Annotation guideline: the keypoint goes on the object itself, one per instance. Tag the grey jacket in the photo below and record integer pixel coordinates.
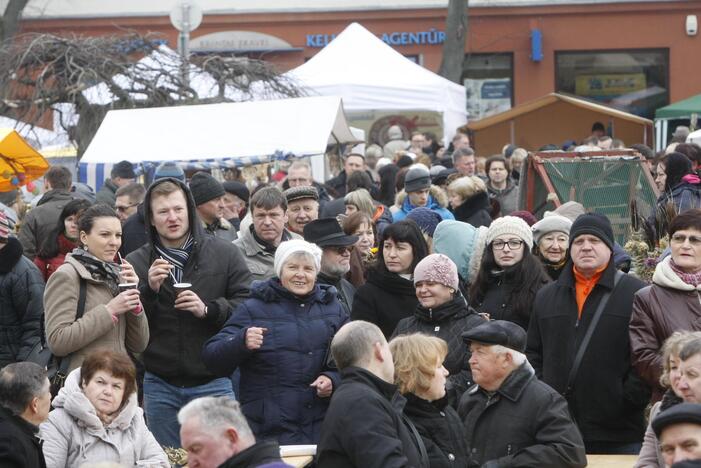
(259, 262)
(107, 193)
(507, 198)
(74, 435)
(40, 221)
(222, 229)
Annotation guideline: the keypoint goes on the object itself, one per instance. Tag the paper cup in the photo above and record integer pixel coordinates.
(127, 286)
(180, 287)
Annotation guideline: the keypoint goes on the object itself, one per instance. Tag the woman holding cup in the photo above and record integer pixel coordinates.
(112, 316)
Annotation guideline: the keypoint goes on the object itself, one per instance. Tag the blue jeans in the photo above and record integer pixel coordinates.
(162, 401)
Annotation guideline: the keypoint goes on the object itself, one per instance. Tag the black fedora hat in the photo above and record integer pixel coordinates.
(326, 232)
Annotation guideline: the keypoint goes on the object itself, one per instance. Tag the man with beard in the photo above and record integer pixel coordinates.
(336, 249)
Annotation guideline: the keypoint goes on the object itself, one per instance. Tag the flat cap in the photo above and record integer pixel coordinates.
(498, 332)
(301, 192)
(677, 414)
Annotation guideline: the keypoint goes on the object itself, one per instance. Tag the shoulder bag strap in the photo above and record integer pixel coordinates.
(419, 441)
(66, 360)
(590, 331)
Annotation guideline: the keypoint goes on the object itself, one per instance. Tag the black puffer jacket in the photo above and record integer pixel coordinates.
(218, 274)
(384, 300)
(441, 430)
(448, 322)
(21, 304)
(475, 210)
(524, 423)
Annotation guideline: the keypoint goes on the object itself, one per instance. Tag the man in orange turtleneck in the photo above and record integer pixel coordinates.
(605, 396)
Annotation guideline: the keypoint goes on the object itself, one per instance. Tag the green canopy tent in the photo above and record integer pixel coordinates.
(688, 108)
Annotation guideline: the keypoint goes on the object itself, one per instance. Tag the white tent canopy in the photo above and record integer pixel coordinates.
(369, 74)
(245, 132)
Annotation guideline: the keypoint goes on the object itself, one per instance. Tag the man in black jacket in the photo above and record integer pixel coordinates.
(605, 396)
(215, 433)
(336, 249)
(25, 401)
(511, 418)
(364, 427)
(181, 322)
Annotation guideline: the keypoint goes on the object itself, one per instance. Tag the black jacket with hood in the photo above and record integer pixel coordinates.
(218, 275)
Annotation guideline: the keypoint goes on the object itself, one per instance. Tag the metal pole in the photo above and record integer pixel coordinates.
(184, 42)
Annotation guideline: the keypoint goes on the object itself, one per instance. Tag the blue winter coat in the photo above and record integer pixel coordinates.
(437, 202)
(274, 392)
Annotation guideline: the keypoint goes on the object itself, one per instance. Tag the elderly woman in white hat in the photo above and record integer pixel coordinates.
(552, 236)
(279, 339)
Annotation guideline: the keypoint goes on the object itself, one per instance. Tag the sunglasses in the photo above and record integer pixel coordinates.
(342, 250)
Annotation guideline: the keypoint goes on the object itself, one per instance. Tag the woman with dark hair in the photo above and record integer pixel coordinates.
(500, 185)
(682, 190)
(671, 302)
(88, 284)
(509, 276)
(389, 295)
(97, 418)
(62, 240)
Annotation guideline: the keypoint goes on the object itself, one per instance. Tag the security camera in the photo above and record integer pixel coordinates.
(692, 25)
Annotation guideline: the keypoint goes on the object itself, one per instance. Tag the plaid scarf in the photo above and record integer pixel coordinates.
(693, 279)
(104, 272)
(176, 256)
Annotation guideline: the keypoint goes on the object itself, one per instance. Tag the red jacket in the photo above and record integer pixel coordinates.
(47, 266)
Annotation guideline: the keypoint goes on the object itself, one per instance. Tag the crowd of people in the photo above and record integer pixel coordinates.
(405, 313)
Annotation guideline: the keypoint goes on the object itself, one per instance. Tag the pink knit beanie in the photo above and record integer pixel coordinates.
(439, 269)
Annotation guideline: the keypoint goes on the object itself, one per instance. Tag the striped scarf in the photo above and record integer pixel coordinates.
(177, 256)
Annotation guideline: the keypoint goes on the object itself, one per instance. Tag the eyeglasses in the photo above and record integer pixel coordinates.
(342, 250)
(512, 243)
(680, 239)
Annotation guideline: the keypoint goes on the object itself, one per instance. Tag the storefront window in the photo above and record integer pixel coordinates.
(635, 81)
(488, 80)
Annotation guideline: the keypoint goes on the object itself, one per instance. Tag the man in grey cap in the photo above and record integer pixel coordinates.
(419, 192)
(208, 193)
(679, 431)
(302, 207)
(510, 417)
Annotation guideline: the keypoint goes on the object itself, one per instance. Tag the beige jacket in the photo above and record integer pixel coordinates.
(96, 329)
(74, 435)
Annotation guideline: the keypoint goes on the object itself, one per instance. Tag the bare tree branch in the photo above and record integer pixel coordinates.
(39, 71)
(11, 17)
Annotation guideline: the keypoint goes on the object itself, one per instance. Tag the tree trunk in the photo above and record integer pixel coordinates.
(11, 17)
(454, 45)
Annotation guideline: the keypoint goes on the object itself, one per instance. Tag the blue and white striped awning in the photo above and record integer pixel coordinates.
(95, 174)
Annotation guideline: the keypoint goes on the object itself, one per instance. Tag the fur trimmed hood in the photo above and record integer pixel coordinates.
(438, 194)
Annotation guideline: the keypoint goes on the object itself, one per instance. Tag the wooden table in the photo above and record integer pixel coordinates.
(298, 462)
(611, 461)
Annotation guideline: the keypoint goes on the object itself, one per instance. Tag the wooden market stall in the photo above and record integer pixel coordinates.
(554, 119)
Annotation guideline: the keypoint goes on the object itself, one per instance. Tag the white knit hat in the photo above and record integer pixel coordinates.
(291, 247)
(551, 223)
(510, 225)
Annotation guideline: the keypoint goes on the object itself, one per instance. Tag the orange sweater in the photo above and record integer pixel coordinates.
(584, 286)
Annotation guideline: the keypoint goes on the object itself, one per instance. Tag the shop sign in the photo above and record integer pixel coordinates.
(400, 38)
(609, 84)
(232, 41)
